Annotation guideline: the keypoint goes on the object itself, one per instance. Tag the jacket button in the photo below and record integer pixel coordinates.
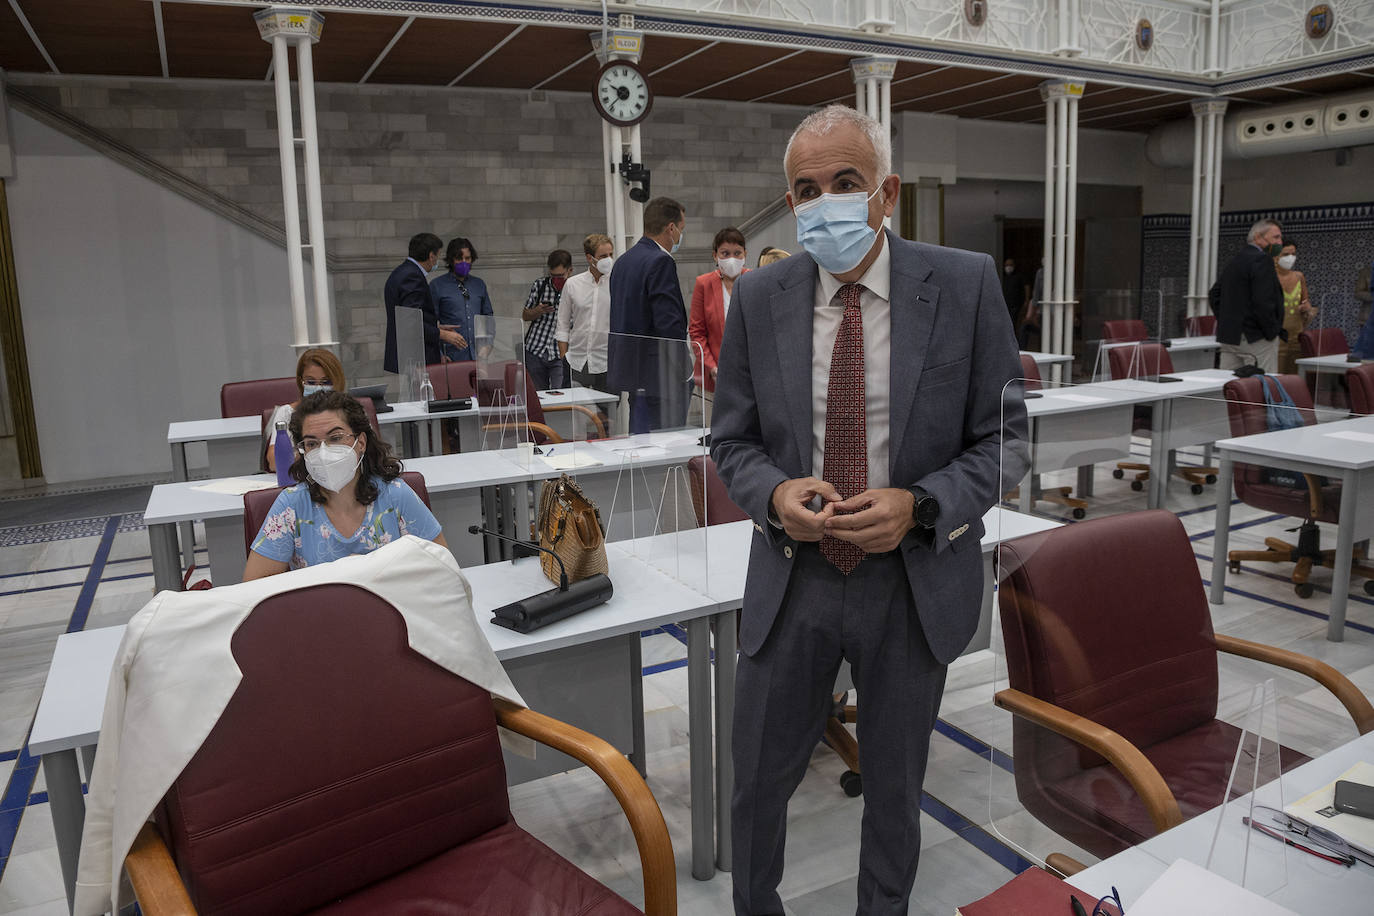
(787, 552)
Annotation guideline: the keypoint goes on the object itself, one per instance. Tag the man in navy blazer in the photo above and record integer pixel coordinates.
(408, 287)
(1248, 302)
(918, 432)
(646, 302)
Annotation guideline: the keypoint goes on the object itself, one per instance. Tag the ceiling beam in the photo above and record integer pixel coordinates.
(797, 86)
(906, 79)
(549, 79)
(161, 37)
(1127, 114)
(688, 56)
(731, 79)
(483, 59)
(936, 95)
(989, 99)
(33, 36)
(387, 50)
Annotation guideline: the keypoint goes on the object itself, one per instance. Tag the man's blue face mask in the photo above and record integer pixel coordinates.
(834, 229)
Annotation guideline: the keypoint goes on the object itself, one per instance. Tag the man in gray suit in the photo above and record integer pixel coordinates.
(858, 420)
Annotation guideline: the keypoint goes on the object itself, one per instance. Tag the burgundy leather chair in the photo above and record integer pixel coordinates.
(351, 775)
(710, 501)
(1325, 342)
(248, 399)
(540, 432)
(257, 503)
(1360, 380)
(1031, 379)
(368, 408)
(453, 380)
(1030, 372)
(1201, 325)
(1141, 361)
(1319, 502)
(1124, 330)
(1112, 667)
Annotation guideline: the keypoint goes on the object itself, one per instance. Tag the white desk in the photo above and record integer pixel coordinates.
(1047, 361)
(1329, 371)
(1344, 450)
(1185, 353)
(1313, 886)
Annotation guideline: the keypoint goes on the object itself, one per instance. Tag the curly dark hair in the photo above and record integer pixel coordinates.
(378, 459)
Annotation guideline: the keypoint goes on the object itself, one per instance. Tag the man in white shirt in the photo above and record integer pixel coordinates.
(584, 317)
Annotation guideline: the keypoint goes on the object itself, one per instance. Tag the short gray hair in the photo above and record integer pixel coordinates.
(1260, 227)
(825, 120)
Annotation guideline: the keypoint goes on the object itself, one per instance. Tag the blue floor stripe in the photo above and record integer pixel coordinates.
(1322, 589)
(975, 835)
(1238, 526)
(665, 666)
(15, 800)
(93, 576)
(7, 756)
(964, 739)
(1362, 627)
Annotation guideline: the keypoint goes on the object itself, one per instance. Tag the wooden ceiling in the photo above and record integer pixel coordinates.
(119, 38)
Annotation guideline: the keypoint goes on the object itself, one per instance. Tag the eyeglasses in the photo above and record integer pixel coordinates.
(335, 438)
(1100, 908)
(1273, 822)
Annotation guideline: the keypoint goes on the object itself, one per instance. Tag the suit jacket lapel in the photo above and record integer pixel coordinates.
(792, 308)
(913, 317)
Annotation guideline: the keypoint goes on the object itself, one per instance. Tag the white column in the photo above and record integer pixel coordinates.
(1208, 123)
(1214, 228)
(873, 92)
(314, 207)
(636, 227)
(1061, 210)
(1070, 224)
(286, 147)
(610, 156)
(1195, 306)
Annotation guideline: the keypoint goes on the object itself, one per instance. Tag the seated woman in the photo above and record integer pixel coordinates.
(350, 499)
(316, 370)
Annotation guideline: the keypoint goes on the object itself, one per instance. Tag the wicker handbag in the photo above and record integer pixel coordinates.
(570, 526)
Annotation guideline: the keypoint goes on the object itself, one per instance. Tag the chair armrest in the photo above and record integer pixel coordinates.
(620, 776)
(1315, 504)
(1065, 865)
(530, 425)
(154, 876)
(1354, 701)
(591, 415)
(1120, 753)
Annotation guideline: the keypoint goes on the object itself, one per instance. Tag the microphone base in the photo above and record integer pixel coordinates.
(544, 608)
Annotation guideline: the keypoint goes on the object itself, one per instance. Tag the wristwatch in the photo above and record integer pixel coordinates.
(925, 510)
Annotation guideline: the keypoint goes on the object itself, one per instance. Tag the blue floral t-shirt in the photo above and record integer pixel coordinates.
(298, 531)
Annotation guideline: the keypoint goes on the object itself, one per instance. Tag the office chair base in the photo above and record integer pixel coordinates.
(1306, 554)
(1057, 495)
(838, 738)
(1196, 476)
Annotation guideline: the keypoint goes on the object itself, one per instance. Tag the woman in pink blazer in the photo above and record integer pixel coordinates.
(711, 300)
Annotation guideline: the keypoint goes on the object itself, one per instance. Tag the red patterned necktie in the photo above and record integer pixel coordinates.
(845, 464)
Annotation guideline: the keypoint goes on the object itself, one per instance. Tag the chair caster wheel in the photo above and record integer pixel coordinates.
(852, 783)
(1080, 513)
(1196, 489)
(1137, 485)
(1234, 566)
(1304, 590)
(1211, 478)
(1118, 473)
(1369, 587)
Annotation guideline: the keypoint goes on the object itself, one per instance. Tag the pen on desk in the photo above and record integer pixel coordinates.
(548, 451)
(1077, 907)
(1335, 857)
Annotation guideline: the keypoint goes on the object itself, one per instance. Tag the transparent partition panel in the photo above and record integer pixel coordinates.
(1320, 350)
(410, 353)
(501, 389)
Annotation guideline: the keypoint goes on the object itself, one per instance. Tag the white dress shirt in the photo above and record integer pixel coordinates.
(876, 308)
(584, 321)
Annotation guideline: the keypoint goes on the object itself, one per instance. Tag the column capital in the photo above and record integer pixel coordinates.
(873, 68)
(1203, 107)
(623, 44)
(1056, 89)
(293, 22)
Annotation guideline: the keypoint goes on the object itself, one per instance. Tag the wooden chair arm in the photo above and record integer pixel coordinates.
(531, 425)
(1315, 504)
(591, 415)
(154, 876)
(1065, 865)
(1351, 697)
(1120, 753)
(638, 803)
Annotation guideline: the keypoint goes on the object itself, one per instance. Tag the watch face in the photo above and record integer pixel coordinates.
(622, 93)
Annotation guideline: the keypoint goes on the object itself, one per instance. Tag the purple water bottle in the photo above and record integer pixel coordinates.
(283, 454)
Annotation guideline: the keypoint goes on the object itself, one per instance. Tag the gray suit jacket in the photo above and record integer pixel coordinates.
(953, 354)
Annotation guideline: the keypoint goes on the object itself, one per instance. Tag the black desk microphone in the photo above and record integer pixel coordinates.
(538, 610)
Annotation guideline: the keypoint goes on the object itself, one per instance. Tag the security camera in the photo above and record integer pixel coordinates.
(635, 173)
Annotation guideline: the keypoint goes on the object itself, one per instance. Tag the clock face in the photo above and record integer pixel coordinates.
(622, 93)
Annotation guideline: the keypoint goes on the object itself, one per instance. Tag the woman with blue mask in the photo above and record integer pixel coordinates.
(317, 370)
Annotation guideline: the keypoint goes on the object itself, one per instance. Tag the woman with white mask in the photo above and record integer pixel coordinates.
(710, 304)
(350, 497)
(1297, 305)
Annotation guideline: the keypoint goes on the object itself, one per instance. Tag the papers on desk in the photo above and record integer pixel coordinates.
(1351, 435)
(1077, 398)
(1190, 888)
(1315, 808)
(639, 451)
(237, 486)
(570, 460)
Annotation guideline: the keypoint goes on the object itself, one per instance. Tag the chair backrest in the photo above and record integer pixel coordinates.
(1322, 342)
(368, 408)
(709, 498)
(257, 503)
(438, 377)
(453, 380)
(324, 773)
(248, 399)
(1124, 330)
(1139, 361)
(1030, 371)
(1360, 380)
(1108, 619)
(1245, 409)
(1201, 325)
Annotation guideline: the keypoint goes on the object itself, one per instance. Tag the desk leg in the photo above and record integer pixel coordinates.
(1161, 416)
(699, 746)
(724, 626)
(639, 752)
(1222, 537)
(1085, 481)
(1345, 546)
(68, 809)
(187, 529)
(162, 539)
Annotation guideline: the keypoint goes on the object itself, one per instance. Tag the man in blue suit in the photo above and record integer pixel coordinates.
(860, 411)
(408, 287)
(646, 302)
